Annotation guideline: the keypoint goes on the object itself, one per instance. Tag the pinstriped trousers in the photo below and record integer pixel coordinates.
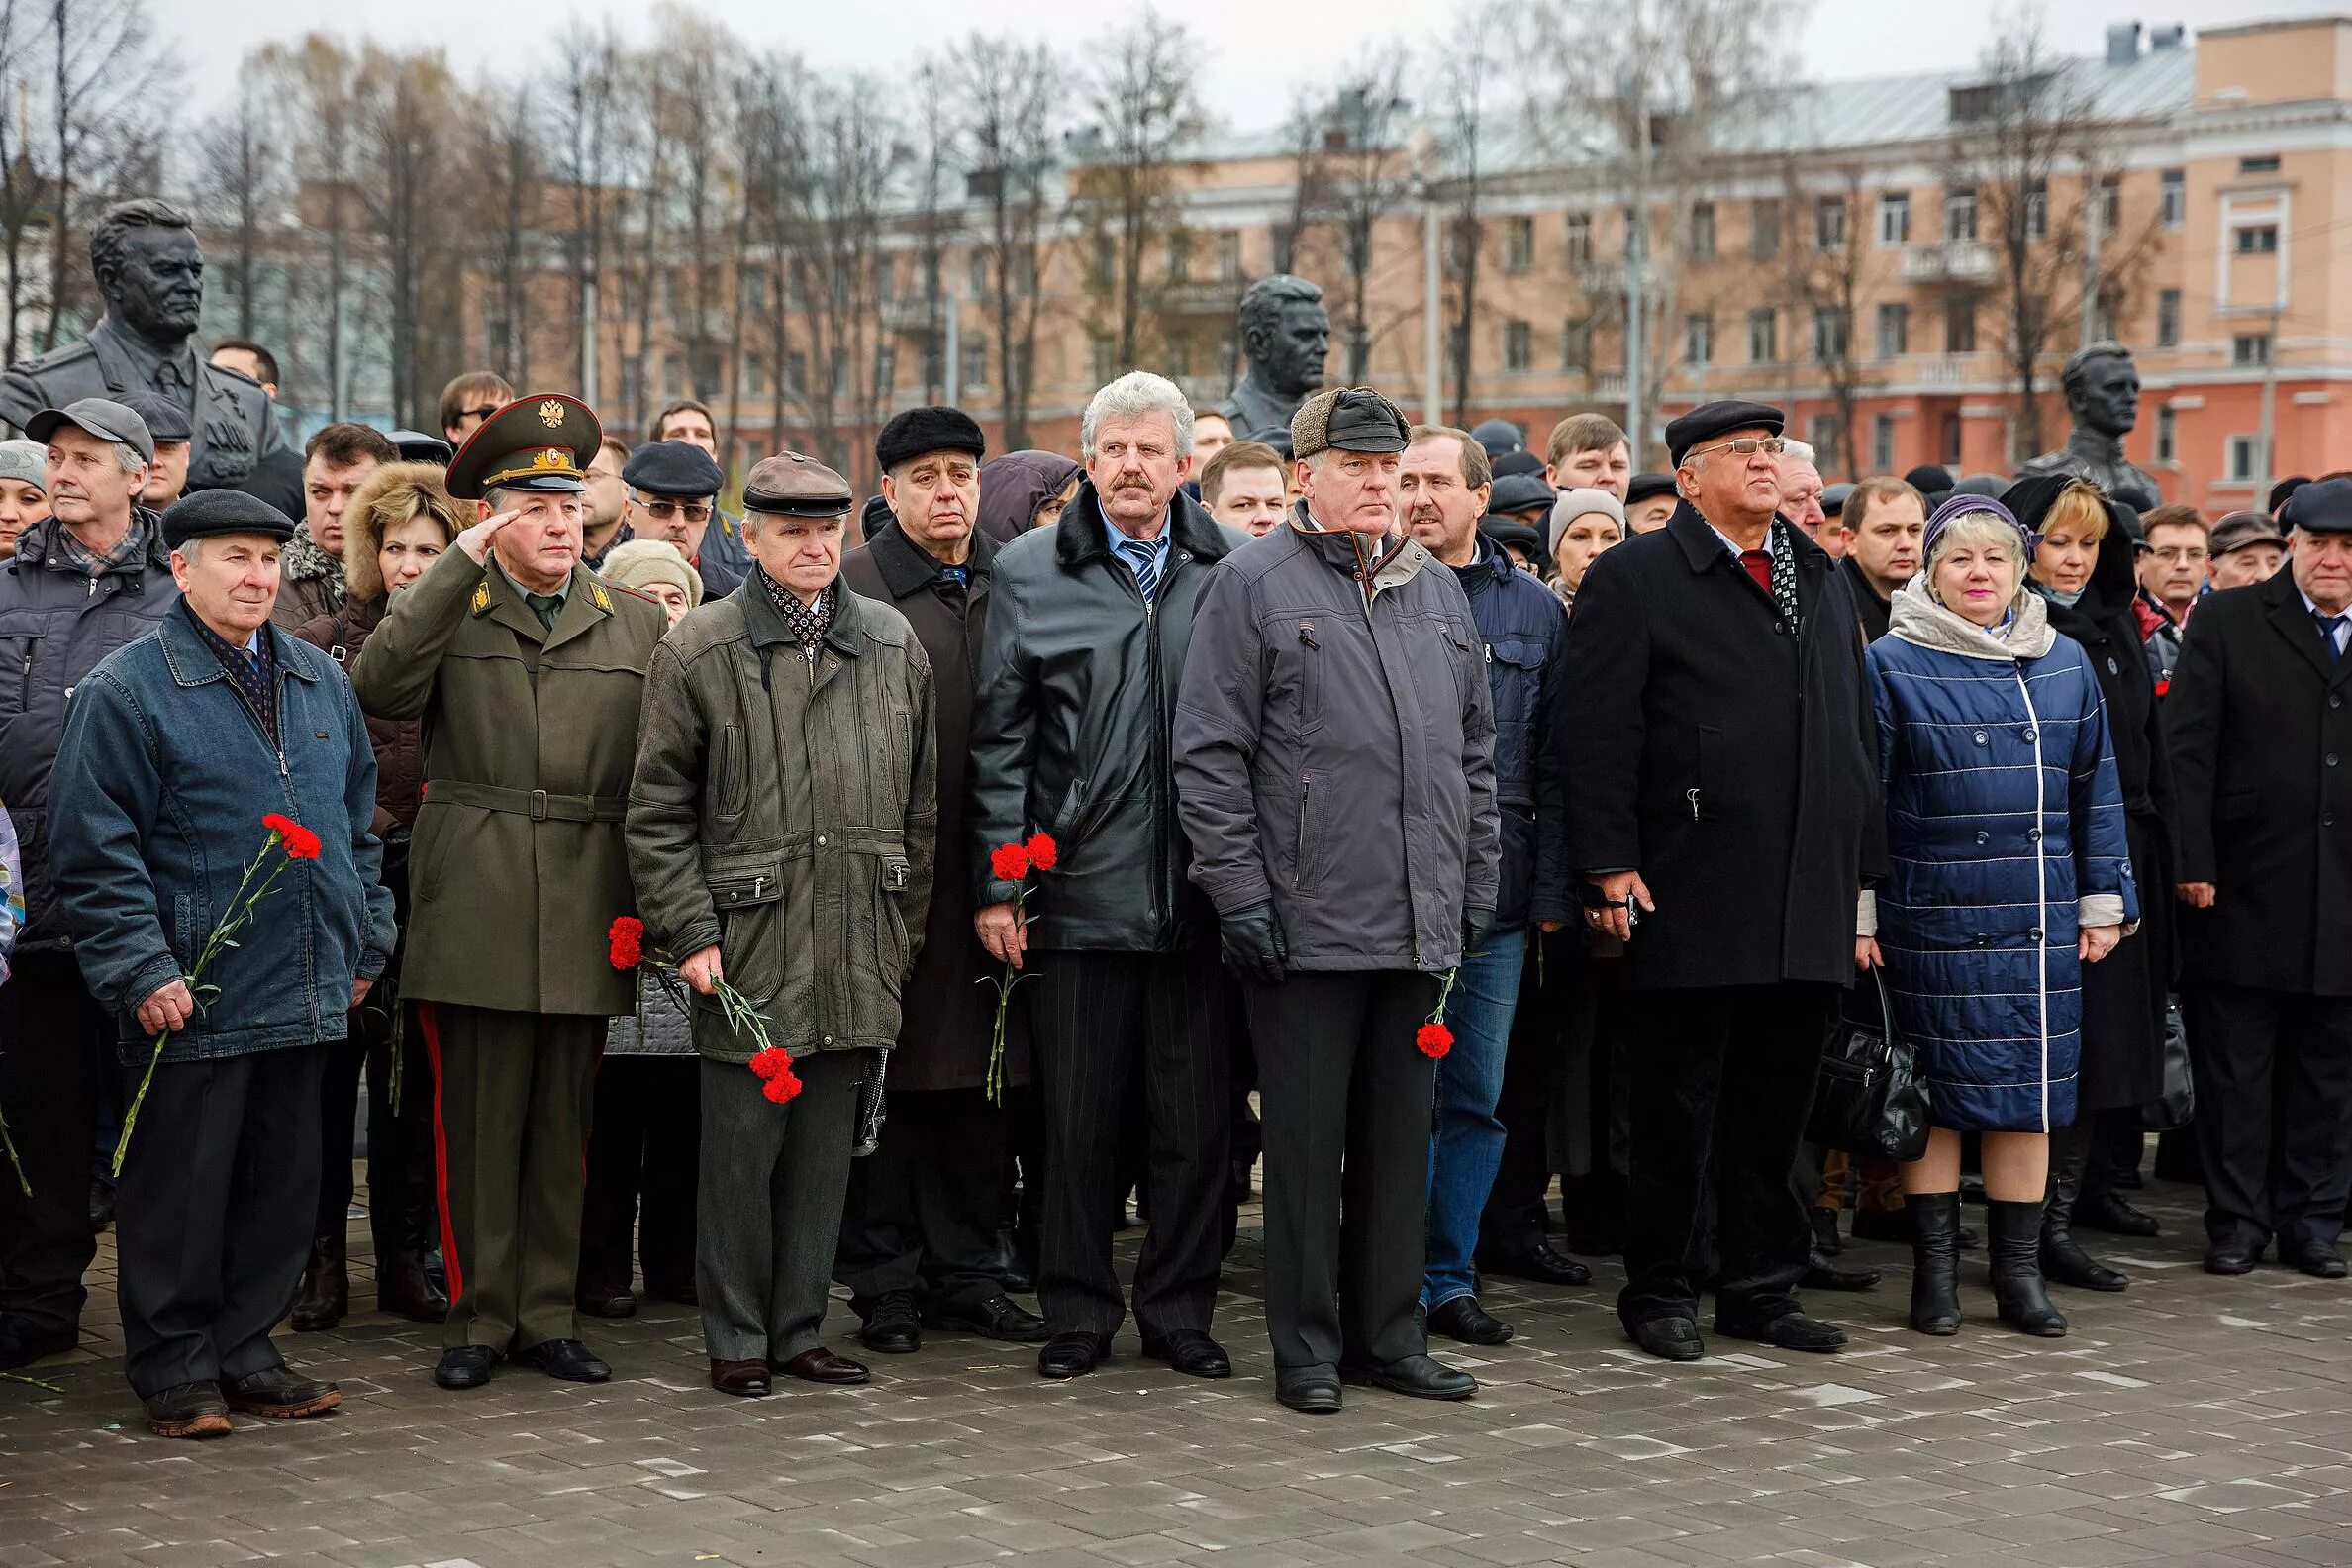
(1099, 1022)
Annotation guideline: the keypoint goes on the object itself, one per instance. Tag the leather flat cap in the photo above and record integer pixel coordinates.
(103, 418)
(791, 484)
(167, 417)
(2321, 507)
(207, 513)
(2239, 530)
(673, 469)
(1711, 421)
(1348, 419)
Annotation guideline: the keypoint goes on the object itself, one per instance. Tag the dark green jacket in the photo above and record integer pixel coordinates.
(516, 865)
(783, 808)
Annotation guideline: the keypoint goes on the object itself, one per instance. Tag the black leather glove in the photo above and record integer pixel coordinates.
(1476, 925)
(1252, 943)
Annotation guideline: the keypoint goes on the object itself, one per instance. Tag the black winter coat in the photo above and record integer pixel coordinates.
(1525, 634)
(1070, 718)
(53, 630)
(947, 1015)
(1873, 611)
(2260, 723)
(1734, 768)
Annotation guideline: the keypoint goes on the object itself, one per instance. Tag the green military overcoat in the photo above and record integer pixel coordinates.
(517, 867)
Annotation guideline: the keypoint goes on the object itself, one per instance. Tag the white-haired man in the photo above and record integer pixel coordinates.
(1070, 719)
(1801, 488)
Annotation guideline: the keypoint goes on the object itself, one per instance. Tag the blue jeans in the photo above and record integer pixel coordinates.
(1468, 1144)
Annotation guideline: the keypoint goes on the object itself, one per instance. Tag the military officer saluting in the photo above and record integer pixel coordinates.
(526, 670)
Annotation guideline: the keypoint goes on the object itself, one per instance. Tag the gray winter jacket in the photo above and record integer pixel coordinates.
(1336, 755)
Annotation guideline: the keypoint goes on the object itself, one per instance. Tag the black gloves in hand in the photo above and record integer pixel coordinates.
(1476, 925)
(1252, 943)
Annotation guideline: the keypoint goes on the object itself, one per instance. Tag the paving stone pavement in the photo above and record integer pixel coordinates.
(2193, 1420)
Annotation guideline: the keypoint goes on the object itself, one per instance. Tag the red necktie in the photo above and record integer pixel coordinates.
(1759, 566)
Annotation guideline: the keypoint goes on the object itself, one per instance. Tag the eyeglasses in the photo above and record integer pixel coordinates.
(482, 413)
(2181, 552)
(662, 511)
(1743, 447)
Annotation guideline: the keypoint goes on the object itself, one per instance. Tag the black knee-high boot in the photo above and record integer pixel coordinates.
(1935, 1261)
(2062, 1256)
(2016, 1269)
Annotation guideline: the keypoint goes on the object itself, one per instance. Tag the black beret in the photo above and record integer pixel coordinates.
(2321, 507)
(167, 417)
(672, 468)
(1507, 531)
(1517, 492)
(1645, 485)
(206, 513)
(912, 432)
(1930, 480)
(1710, 419)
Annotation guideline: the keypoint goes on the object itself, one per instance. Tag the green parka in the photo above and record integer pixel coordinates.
(783, 808)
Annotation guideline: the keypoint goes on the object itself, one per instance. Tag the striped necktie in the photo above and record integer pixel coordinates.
(1143, 559)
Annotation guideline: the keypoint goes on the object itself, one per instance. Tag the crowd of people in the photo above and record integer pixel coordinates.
(720, 906)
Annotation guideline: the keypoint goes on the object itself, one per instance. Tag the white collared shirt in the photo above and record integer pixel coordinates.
(2341, 632)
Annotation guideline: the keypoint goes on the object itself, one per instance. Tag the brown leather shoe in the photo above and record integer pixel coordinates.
(746, 1378)
(281, 1393)
(822, 1366)
(190, 1410)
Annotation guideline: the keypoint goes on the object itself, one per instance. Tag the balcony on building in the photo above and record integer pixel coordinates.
(1968, 264)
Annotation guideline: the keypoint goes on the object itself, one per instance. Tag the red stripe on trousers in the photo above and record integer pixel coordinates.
(431, 1026)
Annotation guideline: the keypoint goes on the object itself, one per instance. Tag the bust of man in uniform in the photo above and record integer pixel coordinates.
(2102, 390)
(150, 273)
(1285, 335)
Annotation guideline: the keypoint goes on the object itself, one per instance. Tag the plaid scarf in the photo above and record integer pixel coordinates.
(128, 552)
(808, 622)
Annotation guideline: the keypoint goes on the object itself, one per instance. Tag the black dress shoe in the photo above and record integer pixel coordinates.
(1791, 1331)
(607, 1301)
(1824, 1228)
(190, 1410)
(1191, 1353)
(892, 1327)
(1312, 1391)
(2231, 1259)
(280, 1394)
(747, 1379)
(1535, 1261)
(1464, 1320)
(465, 1368)
(821, 1366)
(2317, 1259)
(2105, 1211)
(998, 1318)
(1669, 1338)
(1414, 1376)
(1069, 1355)
(568, 1359)
(1822, 1274)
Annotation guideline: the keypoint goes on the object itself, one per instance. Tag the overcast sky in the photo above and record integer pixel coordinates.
(1252, 46)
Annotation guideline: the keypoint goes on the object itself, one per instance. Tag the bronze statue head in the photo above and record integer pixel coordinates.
(1285, 335)
(2103, 388)
(149, 270)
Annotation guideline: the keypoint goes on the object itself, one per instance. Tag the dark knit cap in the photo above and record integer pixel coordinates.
(916, 431)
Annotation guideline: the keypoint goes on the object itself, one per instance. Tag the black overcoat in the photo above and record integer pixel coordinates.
(1733, 766)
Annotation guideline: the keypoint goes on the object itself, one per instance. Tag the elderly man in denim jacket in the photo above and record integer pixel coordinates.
(175, 746)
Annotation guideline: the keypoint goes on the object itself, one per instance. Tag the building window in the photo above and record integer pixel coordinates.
(1179, 357)
(1881, 444)
(1829, 223)
(1228, 257)
(755, 290)
(755, 377)
(2168, 319)
(673, 374)
(2247, 461)
(1102, 356)
(1518, 345)
(2250, 349)
(885, 276)
(2259, 166)
(1763, 336)
(1960, 213)
(1764, 228)
(2167, 434)
(978, 263)
(1519, 245)
(1894, 331)
(2111, 204)
(1703, 232)
(1180, 255)
(1894, 219)
(1821, 435)
(2255, 240)
(1576, 344)
(796, 370)
(2038, 210)
(1580, 239)
(1948, 439)
(2173, 198)
(973, 373)
(1105, 258)
(1830, 330)
(1698, 339)
(1960, 327)
(885, 368)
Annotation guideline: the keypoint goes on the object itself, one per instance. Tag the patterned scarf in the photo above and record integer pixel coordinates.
(128, 552)
(1784, 575)
(253, 675)
(808, 622)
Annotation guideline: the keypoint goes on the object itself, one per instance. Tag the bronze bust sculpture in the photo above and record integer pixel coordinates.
(1285, 335)
(2102, 390)
(150, 270)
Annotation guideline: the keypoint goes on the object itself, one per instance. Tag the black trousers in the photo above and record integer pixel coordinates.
(401, 1216)
(1098, 1023)
(1720, 1092)
(923, 1207)
(2274, 1112)
(644, 1143)
(52, 1044)
(217, 1193)
(1347, 1104)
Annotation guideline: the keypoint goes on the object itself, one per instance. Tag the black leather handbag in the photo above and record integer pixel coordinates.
(1869, 1100)
(2174, 1105)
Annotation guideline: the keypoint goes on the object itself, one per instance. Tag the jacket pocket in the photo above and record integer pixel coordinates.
(748, 892)
(1307, 871)
(890, 930)
(1309, 676)
(729, 795)
(1065, 816)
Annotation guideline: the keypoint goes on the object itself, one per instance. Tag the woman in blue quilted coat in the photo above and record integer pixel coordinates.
(2009, 872)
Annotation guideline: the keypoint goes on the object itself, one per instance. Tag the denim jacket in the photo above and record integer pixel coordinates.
(164, 777)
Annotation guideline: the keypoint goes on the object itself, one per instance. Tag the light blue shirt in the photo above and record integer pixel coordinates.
(2341, 632)
(1114, 537)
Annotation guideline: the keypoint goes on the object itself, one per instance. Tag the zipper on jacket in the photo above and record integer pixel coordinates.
(2041, 893)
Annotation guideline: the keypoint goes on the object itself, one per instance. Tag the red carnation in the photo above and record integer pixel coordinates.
(628, 937)
(299, 841)
(1043, 851)
(1433, 1040)
(782, 1087)
(1009, 862)
(771, 1063)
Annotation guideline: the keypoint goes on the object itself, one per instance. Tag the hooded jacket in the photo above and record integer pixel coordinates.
(1013, 486)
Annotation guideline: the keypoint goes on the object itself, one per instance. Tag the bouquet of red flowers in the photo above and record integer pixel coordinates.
(1012, 862)
(299, 844)
(627, 942)
(1433, 1039)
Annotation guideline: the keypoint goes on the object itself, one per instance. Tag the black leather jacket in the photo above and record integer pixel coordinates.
(1070, 718)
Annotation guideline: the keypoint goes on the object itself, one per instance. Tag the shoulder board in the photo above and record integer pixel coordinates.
(598, 587)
